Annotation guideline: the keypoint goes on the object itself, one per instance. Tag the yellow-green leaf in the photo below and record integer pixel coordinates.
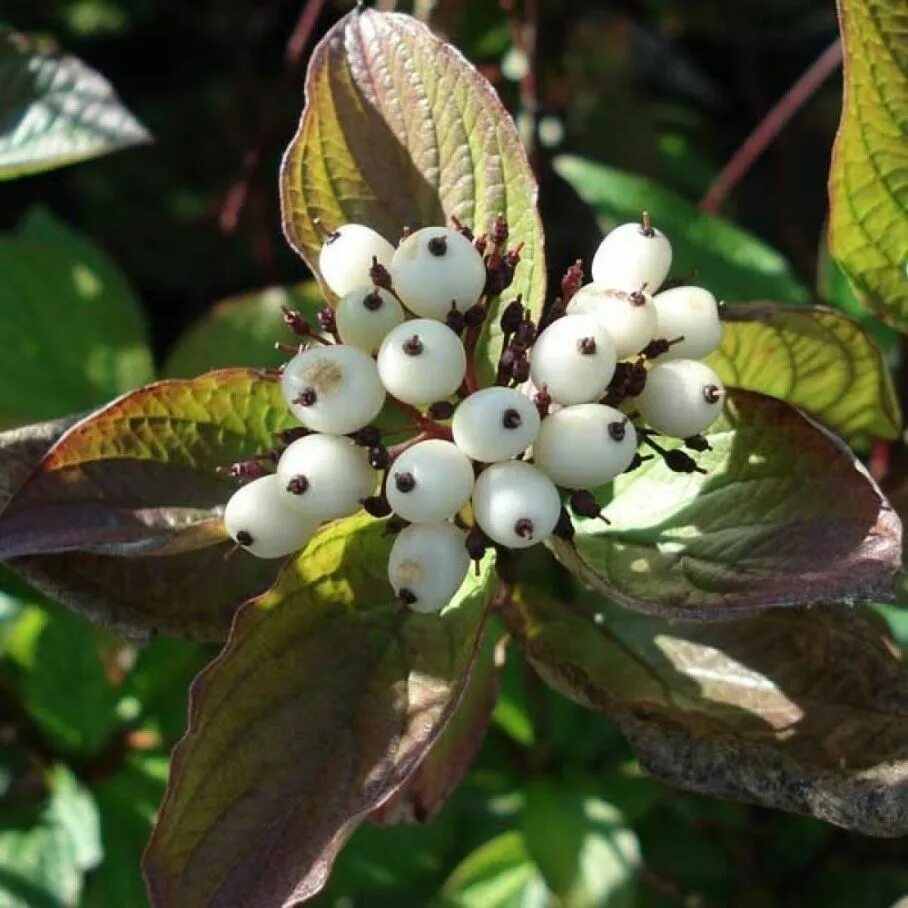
(868, 181)
(816, 358)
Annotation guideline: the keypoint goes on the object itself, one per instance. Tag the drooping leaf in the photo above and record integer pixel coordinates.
(241, 331)
(582, 845)
(44, 853)
(804, 710)
(815, 358)
(707, 250)
(452, 755)
(399, 130)
(324, 702)
(55, 110)
(139, 478)
(498, 874)
(868, 191)
(784, 515)
(70, 326)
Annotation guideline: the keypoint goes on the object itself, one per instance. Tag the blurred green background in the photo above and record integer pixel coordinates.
(664, 89)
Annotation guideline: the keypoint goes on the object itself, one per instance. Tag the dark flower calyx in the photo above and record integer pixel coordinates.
(404, 482)
(587, 345)
(438, 245)
(413, 346)
(524, 528)
(373, 301)
(298, 485)
(306, 398)
(511, 419)
(244, 538)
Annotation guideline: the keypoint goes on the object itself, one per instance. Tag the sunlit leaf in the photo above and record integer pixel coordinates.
(401, 131)
(324, 702)
(70, 326)
(784, 515)
(241, 331)
(802, 710)
(140, 478)
(55, 110)
(815, 358)
(868, 189)
(712, 252)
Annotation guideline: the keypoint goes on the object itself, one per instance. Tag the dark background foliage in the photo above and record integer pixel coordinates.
(664, 88)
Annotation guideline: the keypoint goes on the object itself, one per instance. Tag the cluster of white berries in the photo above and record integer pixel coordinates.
(608, 365)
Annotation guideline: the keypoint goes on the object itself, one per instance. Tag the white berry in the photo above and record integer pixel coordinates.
(326, 476)
(346, 257)
(495, 424)
(691, 313)
(334, 389)
(629, 258)
(584, 446)
(429, 482)
(437, 268)
(574, 358)
(628, 316)
(421, 361)
(365, 316)
(427, 565)
(515, 504)
(258, 518)
(682, 397)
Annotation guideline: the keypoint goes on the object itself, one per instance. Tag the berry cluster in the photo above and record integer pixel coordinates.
(606, 366)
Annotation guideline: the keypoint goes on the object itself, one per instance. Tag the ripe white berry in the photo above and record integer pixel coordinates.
(628, 316)
(334, 389)
(365, 316)
(326, 476)
(691, 313)
(574, 358)
(515, 504)
(682, 397)
(429, 482)
(435, 268)
(421, 361)
(584, 446)
(630, 259)
(259, 519)
(347, 254)
(427, 565)
(495, 424)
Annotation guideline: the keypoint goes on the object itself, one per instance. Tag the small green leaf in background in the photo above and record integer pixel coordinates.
(128, 803)
(55, 110)
(783, 515)
(324, 701)
(868, 190)
(241, 331)
(583, 846)
(65, 689)
(498, 874)
(70, 326)
(428, 140)
(816, 359)
(709, 251)
(44, 854)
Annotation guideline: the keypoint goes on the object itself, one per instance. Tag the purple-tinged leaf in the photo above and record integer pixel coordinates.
(323, 704)
(784, 515)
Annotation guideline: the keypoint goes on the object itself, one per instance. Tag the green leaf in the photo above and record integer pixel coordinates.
(731, 263)
(43, 854)
(784, 515)
(498, 874)
(127, 803)
(867, 187)
(801, 710)
(55, 110)
(322, 705)
(241, 331)
(425, 140)
(581, 844)
(70, 325)
(140, 478)
(816, 359)
(66, 690)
